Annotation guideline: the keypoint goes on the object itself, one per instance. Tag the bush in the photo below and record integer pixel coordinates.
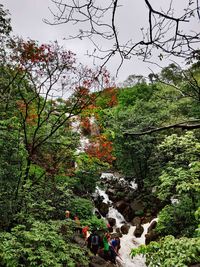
(42, 245)
(95, 224)
(170, 252)
(81, 207)
(177, 220)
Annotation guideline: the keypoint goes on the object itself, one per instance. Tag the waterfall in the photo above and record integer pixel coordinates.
(128, 241)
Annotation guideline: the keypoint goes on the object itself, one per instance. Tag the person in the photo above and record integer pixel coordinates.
(106, 241)
(109, 252)
(94, 242)
(116, 244)
(78, 228)
(67, 214)
(85, 232)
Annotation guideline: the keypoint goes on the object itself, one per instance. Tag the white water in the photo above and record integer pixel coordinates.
(128, 241)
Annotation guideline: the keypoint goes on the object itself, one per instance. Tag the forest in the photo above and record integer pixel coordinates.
(148, 130)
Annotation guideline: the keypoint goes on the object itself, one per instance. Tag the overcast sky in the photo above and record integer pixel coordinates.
(27, 21)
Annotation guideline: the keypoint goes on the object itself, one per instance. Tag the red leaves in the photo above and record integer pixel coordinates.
(85, 124)
(101, 148)
(29, 54)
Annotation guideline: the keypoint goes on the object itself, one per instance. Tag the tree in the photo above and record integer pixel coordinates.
(100, 23)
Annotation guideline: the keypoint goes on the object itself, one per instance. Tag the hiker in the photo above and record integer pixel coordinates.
(67, 214)
(85, 232)
(78, 228)
(94, 242)
(109, 251)
(106, 241)
(116, 244)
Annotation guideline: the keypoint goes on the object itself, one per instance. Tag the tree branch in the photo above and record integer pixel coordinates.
(181, 125)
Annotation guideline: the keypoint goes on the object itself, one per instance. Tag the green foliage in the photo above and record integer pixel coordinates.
(81, 207)
(43, 244)
(94, 223)
(87, 173)
(170, 252)
(177, 219)
(128, 96)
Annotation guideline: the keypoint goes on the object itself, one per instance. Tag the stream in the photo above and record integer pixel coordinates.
(128, 241)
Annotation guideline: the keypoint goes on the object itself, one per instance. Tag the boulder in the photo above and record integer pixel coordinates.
(137, 205)
(98, 261)
(138, 230)
(151, 236)
(128, 213)
(125, 228)
(103, 208)
(111, 192)
(152, 226)
(121, 205)
(111, 221)
(136, 221)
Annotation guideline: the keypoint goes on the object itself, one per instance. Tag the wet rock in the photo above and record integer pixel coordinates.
(138, 230)
(128, 213)
(151, 236)
(137, 205)
(136, 221)
(125, 228)
(121, 206)
(79, 240)
(111, 221)
(152, 226)
(111, 192)
(146, 219)
(103, 208)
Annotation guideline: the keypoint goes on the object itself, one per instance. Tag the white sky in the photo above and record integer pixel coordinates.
(26, 21)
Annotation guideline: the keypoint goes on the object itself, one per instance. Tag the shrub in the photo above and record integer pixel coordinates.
(41, 245)
(170, 252)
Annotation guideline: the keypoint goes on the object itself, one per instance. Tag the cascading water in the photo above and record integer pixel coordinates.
(128, 241)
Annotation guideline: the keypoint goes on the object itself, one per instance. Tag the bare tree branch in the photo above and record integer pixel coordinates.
(188, 125)
(165, 31)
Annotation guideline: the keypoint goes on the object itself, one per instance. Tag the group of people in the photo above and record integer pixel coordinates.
(103, 245)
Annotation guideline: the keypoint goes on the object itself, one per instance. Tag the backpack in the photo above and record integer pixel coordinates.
(95, 240)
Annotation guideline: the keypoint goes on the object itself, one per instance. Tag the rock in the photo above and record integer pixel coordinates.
(121, 205)
(152, 226)
(137, 205)
(98, 261)
(138, 230)
(147, 219)
(136, 220)
(110, 192)
(111, 221)
(151, 236)
(103, 208)
(79, 240)
(128, 213)
(125, 228)
(110, 229)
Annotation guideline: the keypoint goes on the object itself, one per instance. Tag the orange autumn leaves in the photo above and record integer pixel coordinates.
(101, 148)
